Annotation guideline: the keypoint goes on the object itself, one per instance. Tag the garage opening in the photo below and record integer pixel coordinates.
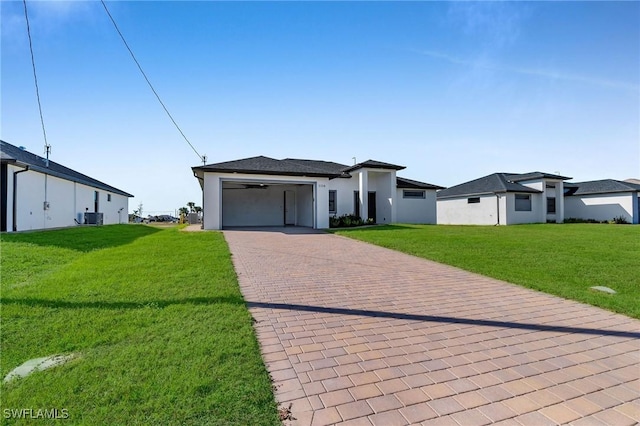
(264, 203)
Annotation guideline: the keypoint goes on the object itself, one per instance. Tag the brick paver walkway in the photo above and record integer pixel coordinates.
(359, 334)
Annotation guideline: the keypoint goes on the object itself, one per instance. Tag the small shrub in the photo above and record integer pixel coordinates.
(580, 220)
(334, 222)
(620, 220)
(346, 221)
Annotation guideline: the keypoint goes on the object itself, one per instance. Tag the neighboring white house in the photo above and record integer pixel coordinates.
(603, 200)
(37, 193)
(262, 191)
(503, 199)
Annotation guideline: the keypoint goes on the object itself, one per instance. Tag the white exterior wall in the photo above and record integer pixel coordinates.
(345, 189)
(384, 185)
(603, 206)
(457, 211)
(416, 210)
(513, 217)
(66, 201)
(264, 205)
(557, 193)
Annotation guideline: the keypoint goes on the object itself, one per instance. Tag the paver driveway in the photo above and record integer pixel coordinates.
(355, 333)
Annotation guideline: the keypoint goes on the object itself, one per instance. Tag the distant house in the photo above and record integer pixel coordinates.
(263, 191)
(603, 200)
(37, 193)
(503, 199)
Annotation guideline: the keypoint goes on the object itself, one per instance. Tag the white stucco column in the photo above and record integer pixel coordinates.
(392, 196)
(560, 202)
(321, 204)
(212, 201)
(363, 187)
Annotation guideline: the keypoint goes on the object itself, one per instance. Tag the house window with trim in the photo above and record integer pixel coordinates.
(332, 201)
(109, 197)
(523, 202)
(473, 200)
(413, 194)
(551, 205)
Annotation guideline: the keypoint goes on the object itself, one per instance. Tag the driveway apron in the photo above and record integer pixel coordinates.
(357, 334)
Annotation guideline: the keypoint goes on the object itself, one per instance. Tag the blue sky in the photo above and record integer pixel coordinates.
(452, 91)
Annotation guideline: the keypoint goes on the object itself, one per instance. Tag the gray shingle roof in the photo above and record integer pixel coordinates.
(271, 166)
(14, 154)
(405, 183)
(373, 164)
(326, 166)
(604, 186)
(520, 177)
(491, 184)
(302, 167)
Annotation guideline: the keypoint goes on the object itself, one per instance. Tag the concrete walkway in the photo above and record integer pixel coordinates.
(359, 334)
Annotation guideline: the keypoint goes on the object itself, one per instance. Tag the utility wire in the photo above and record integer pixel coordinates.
(147, 79)
(35, 79)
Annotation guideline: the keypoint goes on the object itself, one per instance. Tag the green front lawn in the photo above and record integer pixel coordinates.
(565, 260)
(155, 316)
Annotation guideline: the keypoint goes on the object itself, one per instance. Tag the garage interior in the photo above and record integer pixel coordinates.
(265, 203)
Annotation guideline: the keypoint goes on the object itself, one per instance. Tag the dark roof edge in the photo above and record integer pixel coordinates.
(475, 194)
(405, 183)
(373, 164)
(264, 172)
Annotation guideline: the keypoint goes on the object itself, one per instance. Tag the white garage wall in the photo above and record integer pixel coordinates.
(459, 212)
(602, 206)
(304, 205)
(416, 210)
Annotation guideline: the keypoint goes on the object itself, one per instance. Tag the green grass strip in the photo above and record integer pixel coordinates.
(156, 316)
(564, 260)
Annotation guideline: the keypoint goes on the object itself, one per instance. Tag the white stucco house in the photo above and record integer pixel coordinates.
(603, 200)
(263, 191)
(503, 199)
(37, 193)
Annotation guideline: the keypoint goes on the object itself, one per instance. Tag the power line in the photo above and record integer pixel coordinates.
(147, 80)
(47, 147)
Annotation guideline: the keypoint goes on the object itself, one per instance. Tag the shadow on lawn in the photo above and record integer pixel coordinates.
(83, 238)
(237, 300)
(395, 227)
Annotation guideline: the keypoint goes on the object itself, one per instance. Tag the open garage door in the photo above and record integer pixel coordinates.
(264, 203)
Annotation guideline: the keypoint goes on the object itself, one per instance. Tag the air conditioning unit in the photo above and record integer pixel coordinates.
(93, 218)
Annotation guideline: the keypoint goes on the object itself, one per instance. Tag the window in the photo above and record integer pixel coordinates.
(109, 197)
(523, 202)
(332, 201)
(551, 205)
(473, 200)
(551, 186)
(413, 194)
(356, 203)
